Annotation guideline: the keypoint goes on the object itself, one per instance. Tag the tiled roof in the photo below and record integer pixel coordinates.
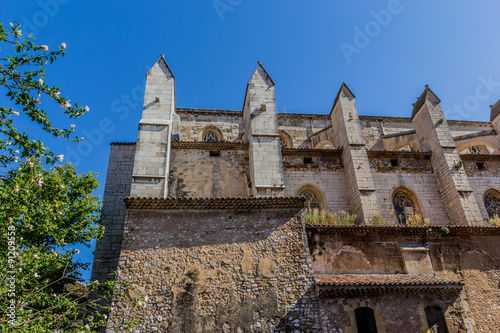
(209, 145)
(377, 284)
(432, 230)
(382, 280)
(230, 203)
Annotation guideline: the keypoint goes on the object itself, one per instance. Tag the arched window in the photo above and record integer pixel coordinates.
(407, 148)
(313, 196)
(435, 319)
(312, 201)
(211, 135)
(285, 140)
(365, 320)
(404, 205)
(492, 203)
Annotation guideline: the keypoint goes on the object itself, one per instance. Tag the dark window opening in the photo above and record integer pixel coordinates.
(365, 320)
(492, 204)
(480, 165)
(214, 153)
(435, 319)
(394, 163)
(312, 201)
(404, 207)
(308, 160)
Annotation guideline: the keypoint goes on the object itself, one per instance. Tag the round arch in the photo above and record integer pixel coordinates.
(325, 144)
(462, 147)
(285, 139)
(314, 196)
(404, 147)
(211, 134)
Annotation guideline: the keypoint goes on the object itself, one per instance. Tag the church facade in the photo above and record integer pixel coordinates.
(259, 221)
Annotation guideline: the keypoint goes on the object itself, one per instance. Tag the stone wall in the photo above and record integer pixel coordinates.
(117, 187)
(325, 174)
(471, 258)
(393, 313)
(216, 271)
(195, 173)
(194, 122)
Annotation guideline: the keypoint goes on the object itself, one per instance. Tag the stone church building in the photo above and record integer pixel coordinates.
(258, 221)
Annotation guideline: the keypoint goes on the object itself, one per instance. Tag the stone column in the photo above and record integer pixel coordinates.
(434, 135)
(260, 120)
(152, 155)
(347, 132)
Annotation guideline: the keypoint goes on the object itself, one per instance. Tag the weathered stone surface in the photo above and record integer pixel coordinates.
(250, 271)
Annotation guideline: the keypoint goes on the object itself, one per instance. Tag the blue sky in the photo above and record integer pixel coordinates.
(386, 52)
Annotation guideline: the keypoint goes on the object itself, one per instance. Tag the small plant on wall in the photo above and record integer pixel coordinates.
(324, 217)
(417, 220)
(495, 221)
(378, 220)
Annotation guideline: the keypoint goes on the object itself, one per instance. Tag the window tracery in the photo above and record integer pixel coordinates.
(404, 205)
(210, 135)
(492, 203)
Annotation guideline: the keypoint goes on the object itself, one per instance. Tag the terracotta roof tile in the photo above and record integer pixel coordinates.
(431, 230)
(209, 145)
(383, 280)
(381, 284)
(230, 203)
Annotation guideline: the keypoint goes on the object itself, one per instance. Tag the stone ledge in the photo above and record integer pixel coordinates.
(386, 169)
(123, 143)
(479, 157)
(381, 284)
(432, 230)
(399, 154)
(231, 203)
(310, 152)
(209, 145)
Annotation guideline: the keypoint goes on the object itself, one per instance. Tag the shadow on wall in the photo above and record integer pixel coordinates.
(210, 177)
(217, 271)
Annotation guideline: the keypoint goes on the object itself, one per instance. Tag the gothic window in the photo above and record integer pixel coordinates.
(492, 203)
(312, 201)
(211, 135)
(365, 320)
(475, 150)
(282, 142)
(435, 319)
(314, 198)
(285, 140)
(404, 206)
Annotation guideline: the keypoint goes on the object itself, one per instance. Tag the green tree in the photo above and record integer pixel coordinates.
(46, 208)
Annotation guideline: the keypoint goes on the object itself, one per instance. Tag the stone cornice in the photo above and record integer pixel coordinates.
(479, 157)
(379, 284)
(212, 112)
(230, 203)
(209, 145)
(399, 154)
(310, 152)
(123, 143)
(432, 230)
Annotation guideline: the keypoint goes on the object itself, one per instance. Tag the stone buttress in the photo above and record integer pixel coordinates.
(435, 135)
(260, 121)
(152, 155)
(347, 131)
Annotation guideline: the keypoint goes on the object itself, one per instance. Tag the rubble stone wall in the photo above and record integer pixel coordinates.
(217, 271)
